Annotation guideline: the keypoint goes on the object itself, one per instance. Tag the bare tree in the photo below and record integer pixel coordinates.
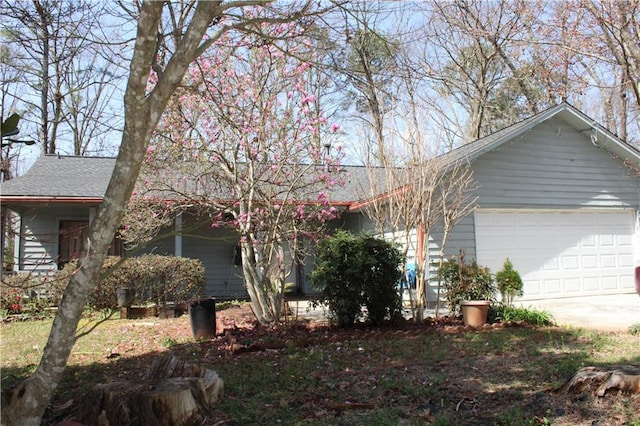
(613, 47)
(421, 190)
(475, 56)
(368, 65)
(67, 75)
(143, 106)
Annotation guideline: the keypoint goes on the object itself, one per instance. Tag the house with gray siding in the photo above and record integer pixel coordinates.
(557, 194)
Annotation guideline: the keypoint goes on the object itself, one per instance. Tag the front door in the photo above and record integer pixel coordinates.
(73, 237)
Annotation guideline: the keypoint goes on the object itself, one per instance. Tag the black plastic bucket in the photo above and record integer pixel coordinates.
(123, 296)
(203, 318)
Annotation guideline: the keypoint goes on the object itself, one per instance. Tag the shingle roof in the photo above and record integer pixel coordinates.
(55, 176)
(63, 176)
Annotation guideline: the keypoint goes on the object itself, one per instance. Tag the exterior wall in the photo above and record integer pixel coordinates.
(553, 166)
(541, 170)
(38, 247)
(215, 248)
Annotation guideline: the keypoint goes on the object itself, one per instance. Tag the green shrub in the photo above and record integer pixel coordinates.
(353, 272)
(465, 281)
(509, 282)
(634, 329)
(506, 313)
(381, 263)
(103, 295)
(150, 279)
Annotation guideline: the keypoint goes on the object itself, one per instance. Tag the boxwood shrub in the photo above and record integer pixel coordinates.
(151, 279)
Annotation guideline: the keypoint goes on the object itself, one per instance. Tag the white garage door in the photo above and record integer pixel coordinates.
(560, 253)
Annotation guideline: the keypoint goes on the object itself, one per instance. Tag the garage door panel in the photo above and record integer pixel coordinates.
(591, 284)
(552, 287)
(572, 285)
(608, 261)
(590, 261)
(626, 261)
(610, 282)
(628, 282)
(571, 262)
(559, 253)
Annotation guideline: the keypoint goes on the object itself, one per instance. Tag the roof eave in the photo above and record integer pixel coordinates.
(20, 199)
(535, 121)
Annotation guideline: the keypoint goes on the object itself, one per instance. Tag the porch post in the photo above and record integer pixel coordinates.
(3, 214)
(178, 237)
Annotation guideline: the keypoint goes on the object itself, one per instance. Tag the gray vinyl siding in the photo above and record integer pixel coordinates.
(215, 248)
(544, 170)
(461, 238)
(553, 166)
(40, 228)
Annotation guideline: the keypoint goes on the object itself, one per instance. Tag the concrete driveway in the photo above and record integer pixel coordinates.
(608, 313)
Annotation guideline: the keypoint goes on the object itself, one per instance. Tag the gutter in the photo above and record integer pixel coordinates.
(48, 199)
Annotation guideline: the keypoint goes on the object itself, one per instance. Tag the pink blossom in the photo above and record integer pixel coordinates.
(308, 99)
(334, 127)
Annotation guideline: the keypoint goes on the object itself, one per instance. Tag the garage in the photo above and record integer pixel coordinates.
(560, 253)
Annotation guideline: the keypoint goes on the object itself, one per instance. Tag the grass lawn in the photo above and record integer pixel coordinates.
(305, 373)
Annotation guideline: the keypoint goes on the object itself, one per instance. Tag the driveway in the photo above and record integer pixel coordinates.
(608, 313)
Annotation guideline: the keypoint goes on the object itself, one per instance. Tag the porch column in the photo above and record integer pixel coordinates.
(178, 237)
(3, 214)
(18, 240)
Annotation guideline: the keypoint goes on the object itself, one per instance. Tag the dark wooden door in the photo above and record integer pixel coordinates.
(72, 241)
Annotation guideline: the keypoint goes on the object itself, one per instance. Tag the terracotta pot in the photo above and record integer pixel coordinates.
(474, 312)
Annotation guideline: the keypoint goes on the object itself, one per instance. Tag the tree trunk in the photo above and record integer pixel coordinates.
(172, 392)
(26, 404)
(624, 377)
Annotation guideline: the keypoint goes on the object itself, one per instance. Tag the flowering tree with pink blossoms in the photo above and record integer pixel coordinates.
(244, 142)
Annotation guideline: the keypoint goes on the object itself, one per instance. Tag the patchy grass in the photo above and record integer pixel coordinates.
(305, 373)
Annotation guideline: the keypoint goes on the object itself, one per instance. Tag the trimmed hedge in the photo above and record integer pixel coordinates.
(150, 279)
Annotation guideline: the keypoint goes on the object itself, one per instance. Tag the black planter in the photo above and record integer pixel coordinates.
(123, 296)
(203, 318)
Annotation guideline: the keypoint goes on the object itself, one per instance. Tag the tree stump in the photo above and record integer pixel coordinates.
(172, 392)
(623, 377)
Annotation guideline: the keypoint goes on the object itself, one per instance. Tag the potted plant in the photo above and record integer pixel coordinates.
(469, 289)
(509, 283)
